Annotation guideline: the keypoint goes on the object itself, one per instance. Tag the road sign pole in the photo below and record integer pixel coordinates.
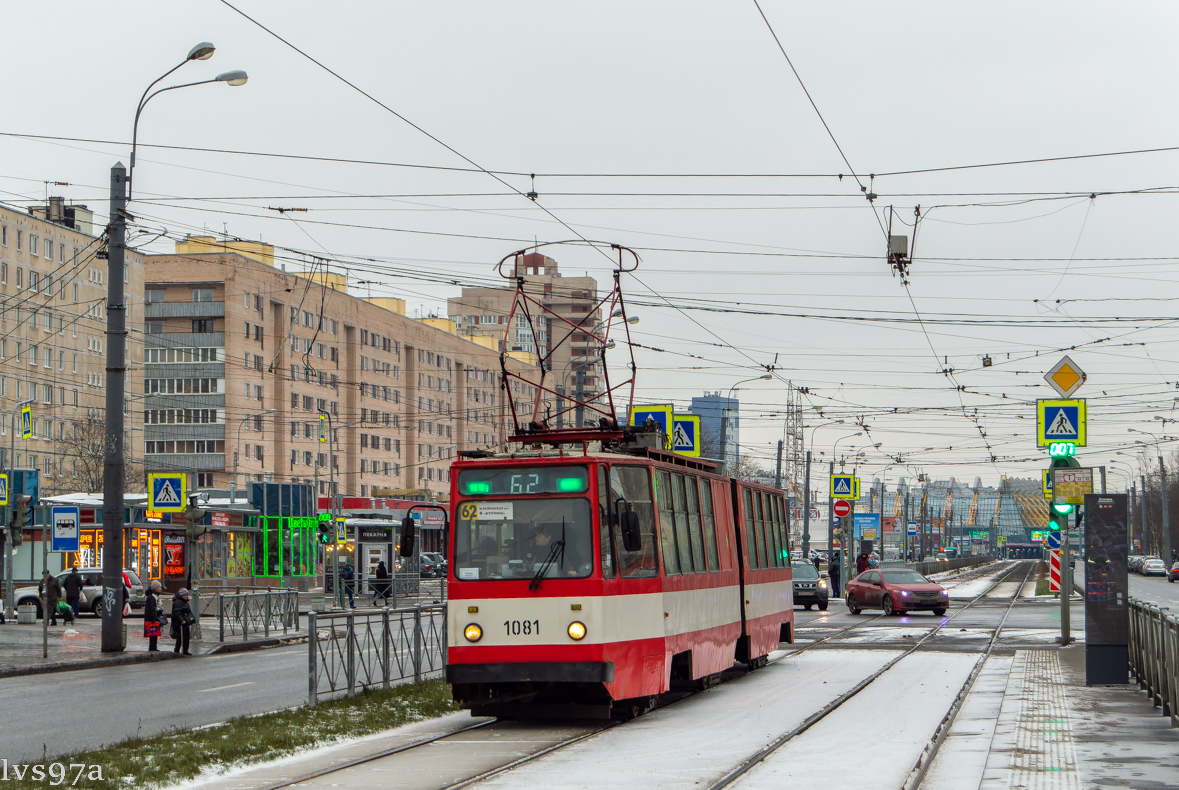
(806, 508)
(1066, 586)
(1167, 558)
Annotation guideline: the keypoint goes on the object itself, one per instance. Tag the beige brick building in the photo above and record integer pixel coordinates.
(484, 312)
(53, 345)
(243, 358)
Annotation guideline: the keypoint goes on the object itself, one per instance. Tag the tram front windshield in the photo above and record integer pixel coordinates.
(518, 538)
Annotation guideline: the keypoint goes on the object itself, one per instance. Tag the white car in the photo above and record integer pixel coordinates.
(91, 598)
(1154, 567)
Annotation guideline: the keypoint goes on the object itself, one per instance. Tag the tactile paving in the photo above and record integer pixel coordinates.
(1044, 756)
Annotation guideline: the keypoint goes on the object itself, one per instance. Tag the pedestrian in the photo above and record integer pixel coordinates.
(152, 616)
(833, 572)
(73, 589)
(50, 590)
(182, 620)
(862, 562)
(381, 588)
(346, 577)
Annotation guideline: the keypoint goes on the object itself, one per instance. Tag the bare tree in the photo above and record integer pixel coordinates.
(82, 445)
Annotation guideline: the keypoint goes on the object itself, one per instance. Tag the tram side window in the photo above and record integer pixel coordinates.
(709, 523)
(698, 561)
(773, 548)
(633, 484)
(759, 529)
(671, 563)
(784, 529)
(605, 519)
(682, 539)
(750, 531)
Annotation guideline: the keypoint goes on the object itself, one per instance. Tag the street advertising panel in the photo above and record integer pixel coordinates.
(1107, 592)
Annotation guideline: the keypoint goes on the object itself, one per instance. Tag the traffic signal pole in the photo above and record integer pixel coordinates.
(9, 545)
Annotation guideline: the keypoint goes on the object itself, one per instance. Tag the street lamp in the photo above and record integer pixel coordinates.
(724, 438)
(238, 446)
(116, 336)
(1167, 558)
(806, 495)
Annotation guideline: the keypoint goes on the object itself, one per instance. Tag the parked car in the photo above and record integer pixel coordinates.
(91, 598)
(432, 565)
(1174, 574)
(1154, 567)
(809, 588)
(896, 592)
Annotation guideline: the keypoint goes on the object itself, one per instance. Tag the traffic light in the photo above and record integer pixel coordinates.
(193, 529)
(1063, 457)
(324, 530)
(22, 516)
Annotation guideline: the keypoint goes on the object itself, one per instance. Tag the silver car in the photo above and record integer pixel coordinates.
(1154, 567)
(91, 598)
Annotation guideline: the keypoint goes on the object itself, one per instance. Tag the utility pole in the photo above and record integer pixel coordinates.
(1166, 516)
(9, 548)
(724, 444)
(806, 508)
(830, 516)
(778, 470)
(1143, 539)
(580, 408)
(112, 486)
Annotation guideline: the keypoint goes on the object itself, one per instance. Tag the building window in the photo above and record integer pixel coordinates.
(205, 479)
(202, 326)
(258, 332)
(155, 327)
(202, 294)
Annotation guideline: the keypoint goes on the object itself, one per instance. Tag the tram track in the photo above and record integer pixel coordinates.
(507, 725)
(928, 755)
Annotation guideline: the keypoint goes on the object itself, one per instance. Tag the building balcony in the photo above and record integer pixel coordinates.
(187, 431)
(156, 310)
(187, 370)
(185, 339)
(194, 462)
(163, 400)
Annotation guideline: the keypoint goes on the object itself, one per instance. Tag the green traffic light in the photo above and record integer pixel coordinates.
(1062, 508)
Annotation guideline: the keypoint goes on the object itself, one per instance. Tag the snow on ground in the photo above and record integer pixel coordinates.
(970, 589)
(884, 635)
(881, 731)
(960, 762)
(698, 740)
(1005, 590)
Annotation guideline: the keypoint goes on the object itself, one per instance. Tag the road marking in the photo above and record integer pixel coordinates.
(222, 688)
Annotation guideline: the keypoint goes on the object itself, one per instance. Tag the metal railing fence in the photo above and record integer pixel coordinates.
(256, 614)
(355, 650)
(1154, 655)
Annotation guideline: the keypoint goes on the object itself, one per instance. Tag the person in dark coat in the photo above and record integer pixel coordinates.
(862, 562)
(182, 620)
(346, 581)
(381, 588)
(50, 588)
(73, 589)
(151, 616)
(833, 572)
(815, 560)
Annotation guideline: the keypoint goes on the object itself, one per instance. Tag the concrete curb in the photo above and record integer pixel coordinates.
(96, 663)
(240, 647)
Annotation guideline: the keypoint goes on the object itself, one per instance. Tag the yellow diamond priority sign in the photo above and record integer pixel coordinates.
(1066, 377)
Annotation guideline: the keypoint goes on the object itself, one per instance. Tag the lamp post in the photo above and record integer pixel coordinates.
(238, 446)
(806, 498)
(724, 438)
(116, 333)
(9, 611)
(1167, 558)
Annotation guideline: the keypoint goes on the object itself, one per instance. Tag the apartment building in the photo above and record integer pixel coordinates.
(256, 373)
(576, 366)
(53, 291)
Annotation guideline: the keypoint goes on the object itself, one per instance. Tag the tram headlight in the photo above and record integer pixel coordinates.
(473, 632)
(577, 631)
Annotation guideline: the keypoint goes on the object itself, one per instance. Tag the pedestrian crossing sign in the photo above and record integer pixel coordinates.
(685, 435)
(26, 422)
(661, 414)
(1047, 482)
(845, 487)
(1060, 421)
(166, 492)
(3, 489)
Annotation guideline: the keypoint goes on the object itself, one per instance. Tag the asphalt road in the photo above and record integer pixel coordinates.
(84, 709)
(1155, 589)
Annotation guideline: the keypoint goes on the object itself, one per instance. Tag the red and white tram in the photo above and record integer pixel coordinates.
(589, 584)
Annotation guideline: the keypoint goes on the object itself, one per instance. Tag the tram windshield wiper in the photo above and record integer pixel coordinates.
(557, 549)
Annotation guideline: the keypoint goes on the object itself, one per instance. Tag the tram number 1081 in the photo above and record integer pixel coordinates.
(517, 627)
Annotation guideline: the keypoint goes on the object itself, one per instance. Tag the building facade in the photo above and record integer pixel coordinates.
(712, 408)
(53, 287)
(256, 373)
(576, 363)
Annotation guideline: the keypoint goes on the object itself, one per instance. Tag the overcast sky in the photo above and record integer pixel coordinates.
(1015, 262)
